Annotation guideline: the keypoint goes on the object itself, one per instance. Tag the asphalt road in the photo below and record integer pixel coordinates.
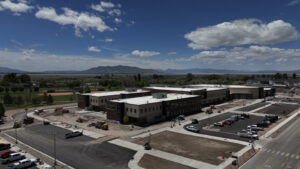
(281, 153)
(279, 109)
(79, 152)
(253, 106)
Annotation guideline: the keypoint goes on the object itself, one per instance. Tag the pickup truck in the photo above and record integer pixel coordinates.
(6, 153)
(23, 164)
(4, 146)
(13, 157)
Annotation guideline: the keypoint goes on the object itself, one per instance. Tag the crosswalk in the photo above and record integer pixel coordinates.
(281, 153)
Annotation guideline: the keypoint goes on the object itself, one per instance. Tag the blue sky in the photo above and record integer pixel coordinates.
(41, 35)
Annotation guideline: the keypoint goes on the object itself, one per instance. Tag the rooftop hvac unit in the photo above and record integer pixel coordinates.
(159, 95)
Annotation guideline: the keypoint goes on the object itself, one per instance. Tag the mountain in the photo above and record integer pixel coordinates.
(9, 70)
(118, 70)
(226, 71)
(203, 71)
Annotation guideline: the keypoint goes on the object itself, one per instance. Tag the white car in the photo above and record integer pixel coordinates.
(13, 157)
(23, 164)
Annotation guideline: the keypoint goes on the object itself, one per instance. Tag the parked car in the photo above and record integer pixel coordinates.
(6, 153)
(73, 134)
(4, 146)
(262, 124)
(272, 119)
(192, 129)
(181, 117)
(234, 118)
(218, 124)
(226, 122)
(195, 121)
(245, 115)
(249, 131)
(241, 117)
(247, 135)
(255, 128)
(23, 164)
(13, 157)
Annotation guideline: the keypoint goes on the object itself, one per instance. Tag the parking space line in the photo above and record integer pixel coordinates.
(287, 154)
(273, 151)
(292, 156)
(297, 157)
(268, 151)
(282, 153)
(277, 152)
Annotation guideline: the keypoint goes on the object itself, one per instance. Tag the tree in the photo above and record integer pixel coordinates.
(87, 89)
(139, 77)
(294, 75)
(284, 76)
(36, 100)
(49, 99)
(11, 78)
(2, 110)
(19, 101)
(24, 78)
(45, 97)
(1, 89)
(14, 89)
(189, 77)
(7, 99)
(278, 76)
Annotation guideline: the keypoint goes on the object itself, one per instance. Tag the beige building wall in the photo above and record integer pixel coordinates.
(102, 100)
(147, 112)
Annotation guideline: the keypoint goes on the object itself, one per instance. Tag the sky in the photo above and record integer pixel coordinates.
(39, 35)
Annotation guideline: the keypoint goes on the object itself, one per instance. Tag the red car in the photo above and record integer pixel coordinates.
(226, 122)
(6, 153)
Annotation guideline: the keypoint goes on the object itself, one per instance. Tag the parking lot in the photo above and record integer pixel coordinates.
(289, 100)
(253, 107)
(90, 153)
(226, 131)
(279, 109)
(7, 166)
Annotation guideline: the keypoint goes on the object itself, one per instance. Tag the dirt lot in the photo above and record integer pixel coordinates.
(202, 149)
(152, 162)
(234, 103)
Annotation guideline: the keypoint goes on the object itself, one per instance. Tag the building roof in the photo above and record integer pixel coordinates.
(222, 86)
(113, 93)
(173, 89)
(150, 99)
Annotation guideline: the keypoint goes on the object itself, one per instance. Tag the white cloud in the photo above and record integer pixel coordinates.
(83, 20)
(118, 20)
(172, 53)
(240, 54)
(94, 49)
(16, 7)
(115, 12)
(294, 2)
(102, 6)
(41, 61)
(144, 53)
(108, 40)
(242, 32)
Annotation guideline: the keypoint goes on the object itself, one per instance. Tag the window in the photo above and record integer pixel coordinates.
(141, 110)
(126, 109)
(134, 110)
(160, 107)
(130, 109)
(145, 109)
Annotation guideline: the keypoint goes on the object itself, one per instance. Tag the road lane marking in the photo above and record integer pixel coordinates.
(268, 151)
(287, 154)
(277, 152)
(297, 157)
(282, 154)
(292, 156)
(273, 151)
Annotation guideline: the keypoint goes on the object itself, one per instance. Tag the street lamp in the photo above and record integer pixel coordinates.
(16, 132)
(54, 150)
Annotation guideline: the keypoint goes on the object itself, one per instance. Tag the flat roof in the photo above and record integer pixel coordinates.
(150, 99)
(173, 88)
(112, 93)
(222, 86)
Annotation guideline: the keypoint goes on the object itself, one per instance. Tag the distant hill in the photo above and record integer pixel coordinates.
(135, 70)
(225, 71)
(200, 71)
(118, 70)
(9, 70)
